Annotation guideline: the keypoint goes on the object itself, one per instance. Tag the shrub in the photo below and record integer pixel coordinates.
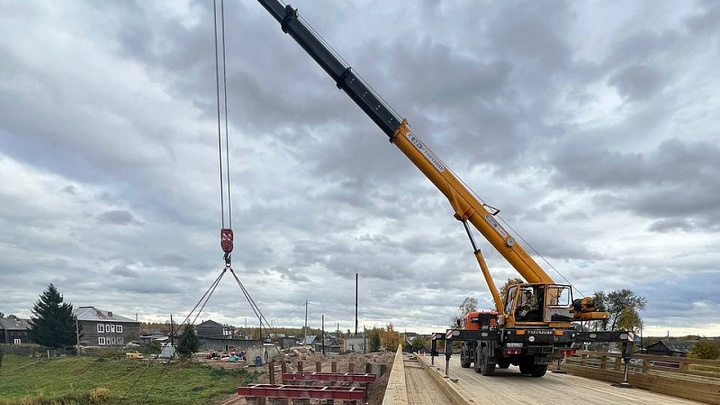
(151, 348)
(98, 395)
(705, 350)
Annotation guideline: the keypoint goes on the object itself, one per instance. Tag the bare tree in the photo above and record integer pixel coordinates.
(468, 305)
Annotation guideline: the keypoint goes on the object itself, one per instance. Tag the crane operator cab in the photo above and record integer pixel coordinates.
(528, 308)
(539, 303)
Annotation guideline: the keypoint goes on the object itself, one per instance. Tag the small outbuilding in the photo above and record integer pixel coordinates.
(675, 348)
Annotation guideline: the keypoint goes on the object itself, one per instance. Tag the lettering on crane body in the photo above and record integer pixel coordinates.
(495, 225)
(425, 151)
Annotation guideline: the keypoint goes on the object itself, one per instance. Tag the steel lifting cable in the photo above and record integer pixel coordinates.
(211, 290)
(204, 299)
(253, 304)
(226, 233)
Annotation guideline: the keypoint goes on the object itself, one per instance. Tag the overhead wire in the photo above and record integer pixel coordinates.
(288, 313)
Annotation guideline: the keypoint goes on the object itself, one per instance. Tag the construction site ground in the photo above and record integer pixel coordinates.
(309, 358)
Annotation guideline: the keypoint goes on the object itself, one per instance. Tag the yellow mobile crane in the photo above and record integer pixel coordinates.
(529, 332)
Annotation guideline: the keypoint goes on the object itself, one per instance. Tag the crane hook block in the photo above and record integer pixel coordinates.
(226, 240)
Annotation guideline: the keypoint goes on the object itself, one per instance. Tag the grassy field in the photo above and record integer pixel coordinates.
(70, 380)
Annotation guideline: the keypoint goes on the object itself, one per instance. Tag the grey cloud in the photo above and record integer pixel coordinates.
(670, 225)
(146, 286)
(292, 275)
(117, 217)
(674, 162)
(70, 190)
(637, 82)
(124, 271)
(693, 204)
(706, 22)
(642, 46)
(532, 31)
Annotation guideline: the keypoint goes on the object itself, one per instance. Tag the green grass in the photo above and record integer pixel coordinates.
(31, 381)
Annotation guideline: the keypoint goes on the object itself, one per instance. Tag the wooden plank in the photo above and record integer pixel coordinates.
(708, 392)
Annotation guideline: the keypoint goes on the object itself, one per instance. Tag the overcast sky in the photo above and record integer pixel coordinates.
(593, 126)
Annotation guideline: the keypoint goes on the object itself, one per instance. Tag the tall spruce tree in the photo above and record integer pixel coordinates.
(189, 343)
(53, 322)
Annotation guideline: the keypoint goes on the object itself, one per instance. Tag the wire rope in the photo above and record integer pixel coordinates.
(227, 132)
(217, 94)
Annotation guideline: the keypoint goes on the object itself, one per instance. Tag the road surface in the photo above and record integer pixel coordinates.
(510, 387)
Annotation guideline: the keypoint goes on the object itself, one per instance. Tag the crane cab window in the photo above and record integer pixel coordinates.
(510, 300)
(559, 296)
(559, 303)
(530, 304)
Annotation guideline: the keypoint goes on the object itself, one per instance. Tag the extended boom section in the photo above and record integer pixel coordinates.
(465, 205)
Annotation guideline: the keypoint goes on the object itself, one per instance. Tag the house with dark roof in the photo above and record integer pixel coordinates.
(675, 348)
(14, 330)
(105, 328)
(213, 330)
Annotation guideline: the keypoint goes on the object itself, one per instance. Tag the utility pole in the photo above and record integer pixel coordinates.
(322, 338)
(364, 339)
(172, 332)
(305, 328)
(356, 303)
(77, 336)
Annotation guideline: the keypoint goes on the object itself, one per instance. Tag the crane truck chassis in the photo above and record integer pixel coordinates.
(520, 333)
(485, 346)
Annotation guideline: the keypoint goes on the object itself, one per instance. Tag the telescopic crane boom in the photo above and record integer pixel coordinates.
(464, 203)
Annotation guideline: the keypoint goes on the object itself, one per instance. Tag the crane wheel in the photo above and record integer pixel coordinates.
(527, 365)
(539, 371)
(485, 366)
(464, 361)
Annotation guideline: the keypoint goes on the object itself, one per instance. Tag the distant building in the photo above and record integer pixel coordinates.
(14, 330)
(216, 336)
(675, 348)
(288, 342)
(106, 329)
(213, 330)
(331, 346)
(408, 348)
(354, 344)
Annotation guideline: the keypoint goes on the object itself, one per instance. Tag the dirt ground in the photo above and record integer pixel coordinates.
(309, 358)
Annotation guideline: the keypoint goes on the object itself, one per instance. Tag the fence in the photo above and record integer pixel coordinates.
(32, 350)
(677, 376)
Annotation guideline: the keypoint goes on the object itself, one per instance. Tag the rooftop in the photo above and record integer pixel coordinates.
(98, 315)
(14, 323)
